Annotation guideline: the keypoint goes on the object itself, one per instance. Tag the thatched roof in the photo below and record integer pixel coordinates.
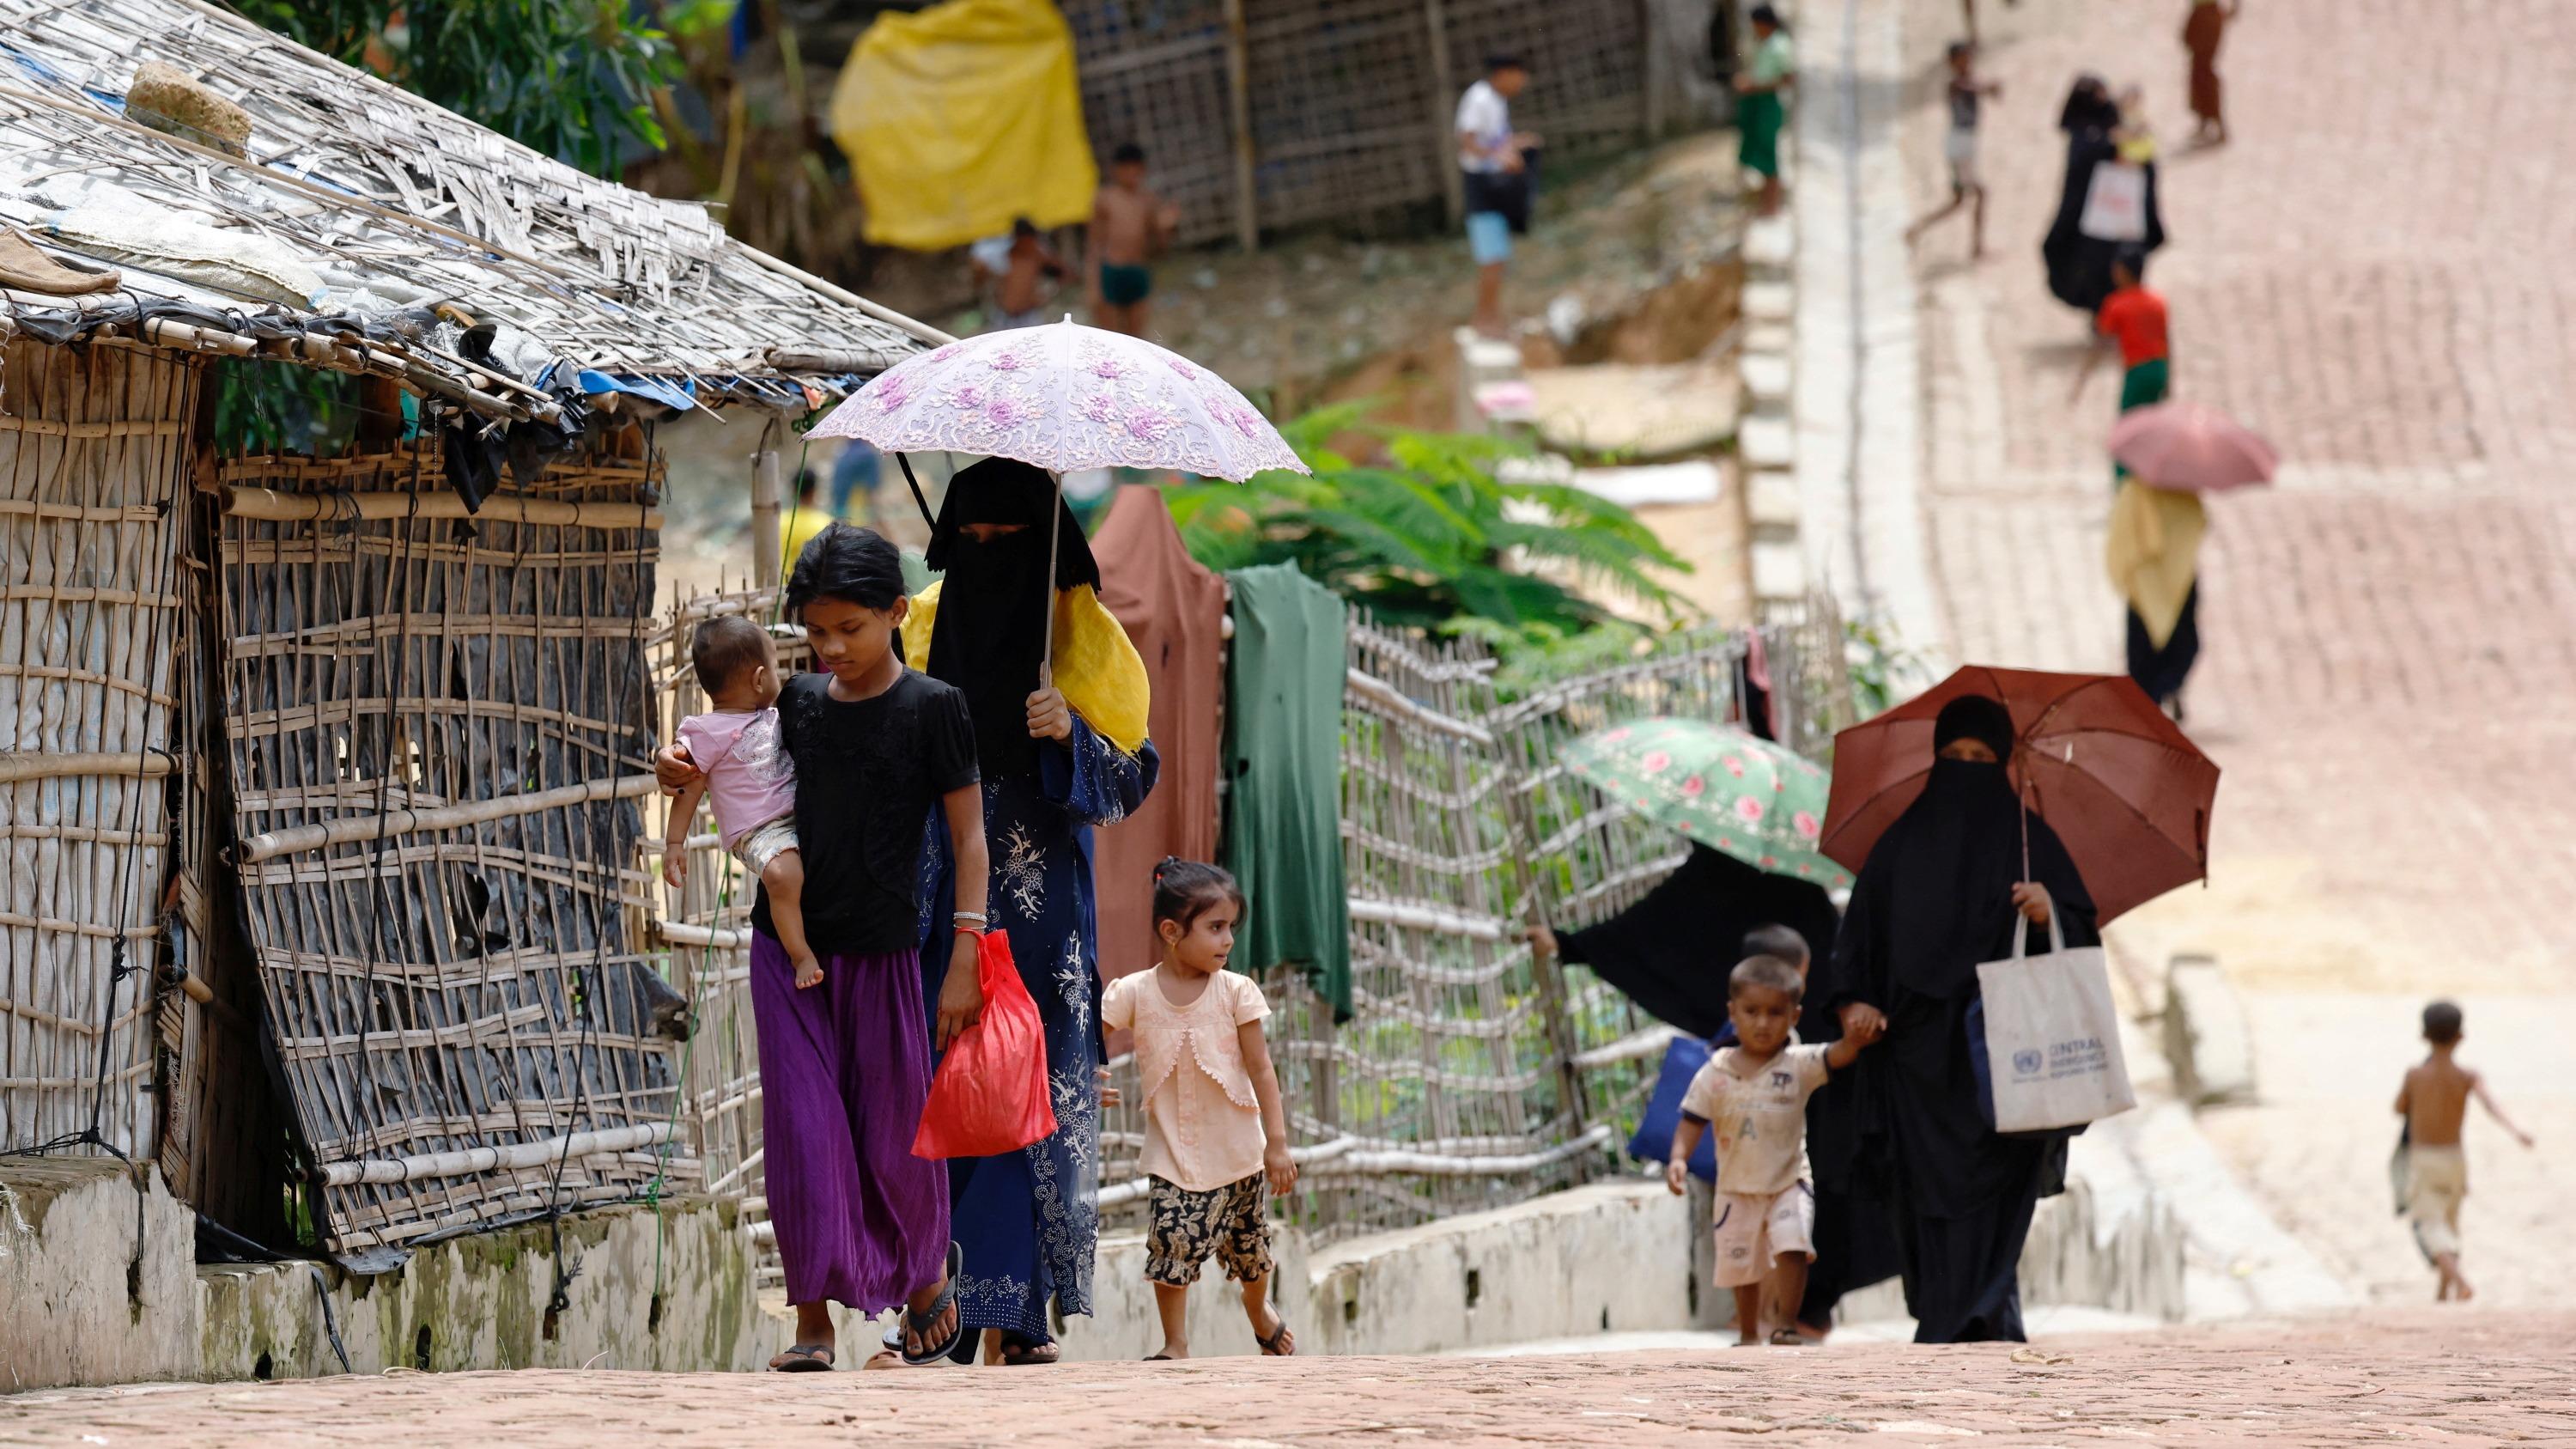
(393, 201)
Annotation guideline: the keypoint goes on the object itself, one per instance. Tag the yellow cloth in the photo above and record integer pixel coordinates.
(960, 119)
(2153, 552)
(1099, 672)
(797, 531)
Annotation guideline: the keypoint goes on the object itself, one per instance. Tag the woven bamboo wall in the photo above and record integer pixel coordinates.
(436, 987)
(94, 505)
(707, 922)
(1350, 101)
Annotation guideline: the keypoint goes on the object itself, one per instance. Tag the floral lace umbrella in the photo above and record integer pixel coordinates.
(1756, 801)
(1064, 398)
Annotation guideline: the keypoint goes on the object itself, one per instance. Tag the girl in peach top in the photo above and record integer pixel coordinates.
(1215, 1132)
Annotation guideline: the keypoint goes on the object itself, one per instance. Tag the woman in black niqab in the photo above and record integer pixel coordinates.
(1936, 898)
(2079, 266)
(995, 609)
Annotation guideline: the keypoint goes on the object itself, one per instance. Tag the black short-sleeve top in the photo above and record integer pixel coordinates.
(868, 774)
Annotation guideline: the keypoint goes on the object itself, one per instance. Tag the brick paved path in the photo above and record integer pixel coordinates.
(2465, 1378)
(2389, 664)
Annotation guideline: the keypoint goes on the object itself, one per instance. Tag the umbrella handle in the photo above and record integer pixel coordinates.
(1055, 528)
(2025, 828)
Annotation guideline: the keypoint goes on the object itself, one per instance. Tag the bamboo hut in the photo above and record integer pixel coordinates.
(321, 777)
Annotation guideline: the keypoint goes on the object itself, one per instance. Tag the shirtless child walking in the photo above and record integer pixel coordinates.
(2435, 1103)
(1130, 226)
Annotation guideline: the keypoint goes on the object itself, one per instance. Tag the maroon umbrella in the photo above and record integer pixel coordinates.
(2123, 788)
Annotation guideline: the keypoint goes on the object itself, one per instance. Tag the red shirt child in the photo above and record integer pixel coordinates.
(2135, 318)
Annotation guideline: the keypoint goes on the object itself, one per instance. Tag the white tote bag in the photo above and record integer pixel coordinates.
(2053, 1037)
(2115, 203)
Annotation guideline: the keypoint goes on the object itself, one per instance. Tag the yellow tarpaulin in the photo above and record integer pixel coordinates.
(962, 118)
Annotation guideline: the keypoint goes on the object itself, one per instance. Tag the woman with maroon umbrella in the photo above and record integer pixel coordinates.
(1942, 890)
(1998, 791)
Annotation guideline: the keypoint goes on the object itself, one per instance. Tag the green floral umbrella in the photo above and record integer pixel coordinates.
(1754, 800)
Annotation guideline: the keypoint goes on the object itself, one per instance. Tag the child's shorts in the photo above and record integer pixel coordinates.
(1489, 237)
(1752, 1232)
(2437, 1181)
(764, 843)
(1188, 1226)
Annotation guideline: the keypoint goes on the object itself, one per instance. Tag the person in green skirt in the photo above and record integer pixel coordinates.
(2133, 320)
(1763, 111)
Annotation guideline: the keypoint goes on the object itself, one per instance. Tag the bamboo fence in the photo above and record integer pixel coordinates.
(94, 513)
(1471, 1075)
(1277, 114)
(437, 735)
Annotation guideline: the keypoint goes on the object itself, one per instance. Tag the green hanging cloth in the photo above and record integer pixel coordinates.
(1283, 765)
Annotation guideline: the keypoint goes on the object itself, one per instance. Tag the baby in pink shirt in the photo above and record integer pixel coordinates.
(746, 775)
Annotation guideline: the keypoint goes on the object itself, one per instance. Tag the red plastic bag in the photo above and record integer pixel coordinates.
(990, 1095)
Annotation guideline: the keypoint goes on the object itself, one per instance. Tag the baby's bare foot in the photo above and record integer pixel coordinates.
(809, 972)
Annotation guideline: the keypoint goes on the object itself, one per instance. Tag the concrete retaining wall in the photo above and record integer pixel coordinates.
(97, 1280)
(1607, 1257)
(481, 1302)
(80, 1304)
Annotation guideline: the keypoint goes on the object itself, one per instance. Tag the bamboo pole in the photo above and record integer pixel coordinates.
(350, 828)
(721, 938)
(1444, 105)
(1238, 105)
(764, 509)
(17, 765)
(517, 1155)
(271, 505)
(848, 298)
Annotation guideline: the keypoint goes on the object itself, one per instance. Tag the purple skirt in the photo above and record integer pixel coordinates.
(844, 1070)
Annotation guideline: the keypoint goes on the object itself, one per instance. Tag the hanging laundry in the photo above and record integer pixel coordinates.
(1174, 613)
(1283, 829)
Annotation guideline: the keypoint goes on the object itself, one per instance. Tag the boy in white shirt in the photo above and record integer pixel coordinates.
(1755, 1093)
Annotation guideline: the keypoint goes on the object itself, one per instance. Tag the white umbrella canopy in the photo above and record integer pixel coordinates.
(1064, 397)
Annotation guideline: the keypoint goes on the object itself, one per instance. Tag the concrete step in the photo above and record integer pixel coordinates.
(1777, 338)
(1770, 247)
(1766, 443)
(1767, 378)
(1779, 572)
(1771, 500)
(1770, 302)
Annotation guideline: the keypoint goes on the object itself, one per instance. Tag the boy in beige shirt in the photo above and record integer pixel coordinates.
(2435, 1103)
(1755, 1094)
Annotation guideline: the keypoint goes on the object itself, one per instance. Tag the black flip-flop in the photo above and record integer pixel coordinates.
(921, 1322)
(1270, 1346)
(1023, 1352)
(803, 1358)
(1160, 1358)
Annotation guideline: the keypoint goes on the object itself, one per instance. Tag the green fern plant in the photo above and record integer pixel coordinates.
(1428, 537)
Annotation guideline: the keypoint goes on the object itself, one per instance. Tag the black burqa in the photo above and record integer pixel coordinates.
(1933, 901)
(994, 607)
(1671, 952)
(2079, 266)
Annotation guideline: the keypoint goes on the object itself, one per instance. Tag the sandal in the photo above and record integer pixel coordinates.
(1021, 1352)
(1281, 1343)
(803, 1358)
(922, 1322)
(1160, 1358)
(1787, 1338)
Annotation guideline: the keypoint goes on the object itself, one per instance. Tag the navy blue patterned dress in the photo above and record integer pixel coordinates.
(1029, 1221)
